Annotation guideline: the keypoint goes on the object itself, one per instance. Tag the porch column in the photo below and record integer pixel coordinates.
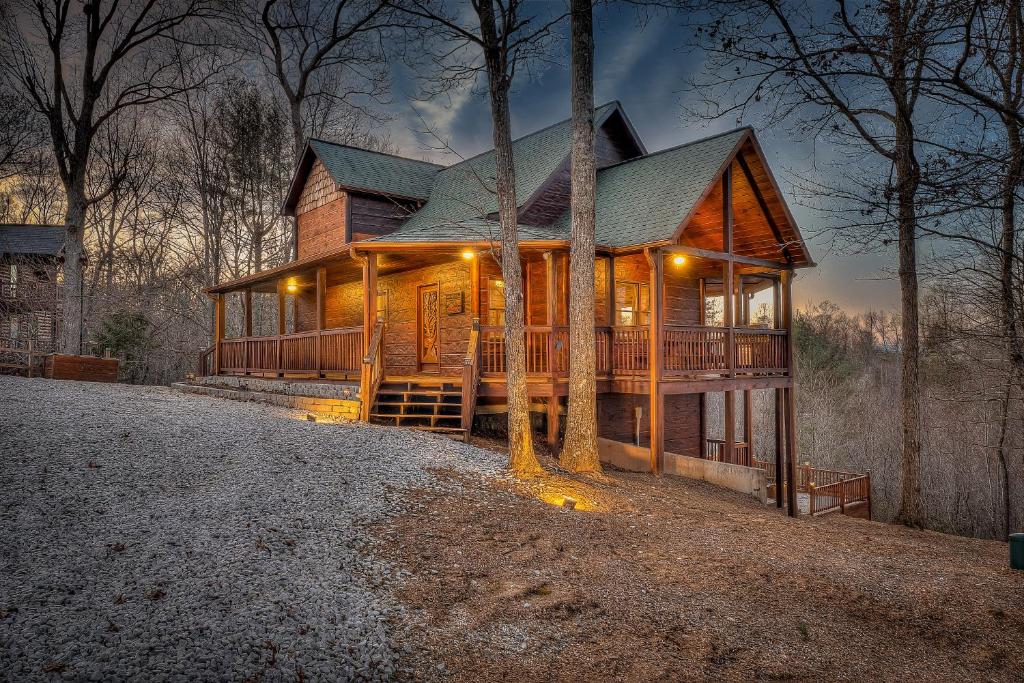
(790, 395)
(729, 448)
(702, 420)
(369, 299)
(248, 312)
(282, 320)
(321, 316)
(246, 326)
(474, 287)
(218, 332)
(780, 406)
(550, 287)
(748, 426)
(610, 294)
(553, 422)
(655, 361)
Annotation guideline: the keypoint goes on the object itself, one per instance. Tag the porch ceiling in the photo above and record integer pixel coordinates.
(341, 268)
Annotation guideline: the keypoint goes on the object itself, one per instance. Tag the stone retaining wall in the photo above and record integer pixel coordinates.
(335, 408)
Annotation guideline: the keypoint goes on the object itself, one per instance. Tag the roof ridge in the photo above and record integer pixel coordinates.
(536, 132)
(678, 147)
(373, 151)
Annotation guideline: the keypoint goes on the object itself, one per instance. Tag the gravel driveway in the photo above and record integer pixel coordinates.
(156, 535)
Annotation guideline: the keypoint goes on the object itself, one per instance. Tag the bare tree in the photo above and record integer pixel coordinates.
(579, 452)
(854, 75)
(90, 63)
(507, 37)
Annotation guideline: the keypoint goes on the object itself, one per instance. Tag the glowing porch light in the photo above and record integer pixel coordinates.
(292, 287)
(468, 254)
(678, 260)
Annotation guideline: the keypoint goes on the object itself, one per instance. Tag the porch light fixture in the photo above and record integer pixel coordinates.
(292, 288)
(678, 260)
(468, 254)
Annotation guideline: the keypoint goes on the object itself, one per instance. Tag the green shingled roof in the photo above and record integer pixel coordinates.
(643, 201)
(465, 191)
(466, 230)
(361, 169)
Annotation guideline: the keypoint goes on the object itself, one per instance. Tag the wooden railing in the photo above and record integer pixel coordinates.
(760, 351)
(317, 352)
(547, 350)
(690, 348)
(827, 489)
(372, 372)
(714, 449)
(470, 376)
(630, 350)
(205, 368)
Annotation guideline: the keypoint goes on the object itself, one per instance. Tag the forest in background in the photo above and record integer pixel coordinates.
(194, 138)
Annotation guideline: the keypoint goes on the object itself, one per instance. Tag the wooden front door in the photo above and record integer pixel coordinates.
(428, 317)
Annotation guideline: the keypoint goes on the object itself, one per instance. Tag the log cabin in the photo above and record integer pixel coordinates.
(395, 285)
(30, 259)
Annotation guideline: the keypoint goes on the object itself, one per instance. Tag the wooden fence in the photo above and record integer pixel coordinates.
(827, 489)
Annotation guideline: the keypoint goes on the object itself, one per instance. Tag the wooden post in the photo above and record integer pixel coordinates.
(369, 298)
(780, 445)
(702, 410)
(748, 426)
(553, 422)
(474, 287)
(655, 361)
(282, 322)
(611, 292)
(790, 396)
(248, 312)
(321, 315)
(702, 295)
(218, 333)
(550, 285)
(729, 315)
(729, 448)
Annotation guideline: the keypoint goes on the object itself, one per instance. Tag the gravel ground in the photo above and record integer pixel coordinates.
(155, 535)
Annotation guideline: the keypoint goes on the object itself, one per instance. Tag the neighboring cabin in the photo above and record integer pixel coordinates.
(396, 284)
(30, 258)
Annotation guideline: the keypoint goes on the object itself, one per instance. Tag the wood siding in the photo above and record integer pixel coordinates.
(616, 420)
(322, 229)
(371, 216)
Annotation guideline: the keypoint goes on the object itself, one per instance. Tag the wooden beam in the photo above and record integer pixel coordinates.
(247, 321)
(282, 324)
(610, 265)
(748, 425)
(702, 295)
(780, 445)
(554, 416)
(702, 422)
(218, 332)
(727, 217)
(369, 298)
(656, 261)
(722, 256)
(763, 205)
(474, 287)
(729, 453)
(321, 298)
(550, 287)
(790, 398)
(728, 317)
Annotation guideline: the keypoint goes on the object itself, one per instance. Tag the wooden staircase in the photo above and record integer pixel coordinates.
(433, 405)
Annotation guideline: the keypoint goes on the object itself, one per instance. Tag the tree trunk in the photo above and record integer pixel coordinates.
(1007, 247)
(521, 458)
(74, 252)
(907, 181)
(579, 453)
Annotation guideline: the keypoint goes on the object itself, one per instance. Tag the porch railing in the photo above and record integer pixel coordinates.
(372, 372)
(827, 490)
(689, 350)
(470, 376)
(714, 450)
(317, 352)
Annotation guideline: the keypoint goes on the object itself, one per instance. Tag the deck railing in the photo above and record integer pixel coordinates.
(760, 351)
(547, 350)
(714, 450)
(318, 352)
(827, 489)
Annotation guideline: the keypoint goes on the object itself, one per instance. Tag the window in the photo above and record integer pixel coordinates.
(13, 280)
(495, 301)
(632, 303)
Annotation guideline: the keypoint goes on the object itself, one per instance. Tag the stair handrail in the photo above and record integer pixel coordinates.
(204, 356)
(470, 376)
(372, 372)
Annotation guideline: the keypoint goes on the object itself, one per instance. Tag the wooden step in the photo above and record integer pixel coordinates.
(417, 392)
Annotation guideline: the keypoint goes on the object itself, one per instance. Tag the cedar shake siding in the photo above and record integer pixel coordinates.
(320, 214)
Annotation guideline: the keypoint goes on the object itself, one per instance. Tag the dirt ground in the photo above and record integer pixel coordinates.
(671, 579)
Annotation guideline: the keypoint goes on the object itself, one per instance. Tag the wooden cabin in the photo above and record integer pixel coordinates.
(30, 258)
(396, 286)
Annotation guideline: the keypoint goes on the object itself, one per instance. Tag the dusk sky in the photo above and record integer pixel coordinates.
(646, 68)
